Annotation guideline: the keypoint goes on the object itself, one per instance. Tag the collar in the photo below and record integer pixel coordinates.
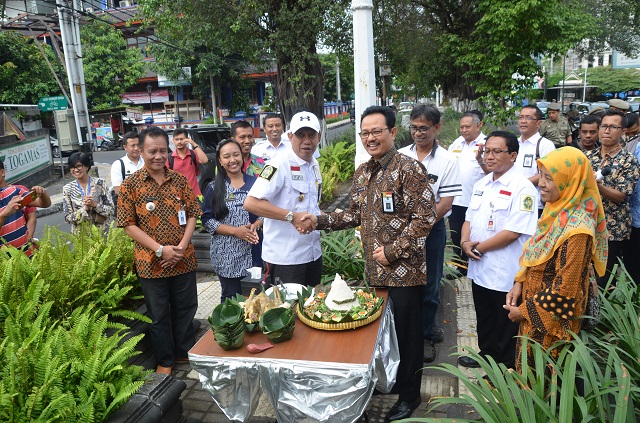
(615, 152)
(432, 153)
(533, 139)
(506, 178)
(146, 175)
(386, 159)
(127, 158)
(174, 153)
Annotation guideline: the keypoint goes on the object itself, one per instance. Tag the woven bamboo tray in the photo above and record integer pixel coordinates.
(338, 326)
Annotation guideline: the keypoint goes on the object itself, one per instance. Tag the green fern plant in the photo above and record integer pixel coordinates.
(341, 253)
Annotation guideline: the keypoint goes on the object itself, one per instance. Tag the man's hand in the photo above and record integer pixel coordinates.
(13, 206)
(479, 153)
(39, 190)
(467, 246)
(378, 255)
(171, 255)
(305, 223)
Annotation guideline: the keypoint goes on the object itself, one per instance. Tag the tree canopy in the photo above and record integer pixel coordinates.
(284, 32)
(109, 66)
(24, 74)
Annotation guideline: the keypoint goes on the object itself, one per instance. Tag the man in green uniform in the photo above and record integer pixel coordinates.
(556, 128)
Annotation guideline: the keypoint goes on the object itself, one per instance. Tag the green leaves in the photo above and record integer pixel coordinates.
(341, 253)
(63, 359)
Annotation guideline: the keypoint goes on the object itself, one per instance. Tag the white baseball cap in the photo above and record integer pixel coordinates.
(304, 120)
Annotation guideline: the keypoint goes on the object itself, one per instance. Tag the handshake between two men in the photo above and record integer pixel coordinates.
(306, 223)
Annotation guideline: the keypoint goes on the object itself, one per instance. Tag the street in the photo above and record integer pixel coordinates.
(108, 157)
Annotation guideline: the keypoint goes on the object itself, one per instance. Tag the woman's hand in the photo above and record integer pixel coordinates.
(89, 203)
(247, 233)
(514, 313)
(513, 296)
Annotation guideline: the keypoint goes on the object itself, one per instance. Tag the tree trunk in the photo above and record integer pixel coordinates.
(300, 87)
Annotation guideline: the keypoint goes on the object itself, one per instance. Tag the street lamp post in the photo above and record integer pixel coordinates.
(149, 88)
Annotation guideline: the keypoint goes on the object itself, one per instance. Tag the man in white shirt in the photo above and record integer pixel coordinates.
(124, 167)
(444, 177)
(500, 218)
(467, 149)
(532, 145)
(288, 188)
(275, 144)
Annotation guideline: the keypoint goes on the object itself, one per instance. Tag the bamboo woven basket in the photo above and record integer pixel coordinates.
(338, 326)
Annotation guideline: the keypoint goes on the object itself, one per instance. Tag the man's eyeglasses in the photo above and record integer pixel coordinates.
(527, 118)
(495, 151)
(610, 127)
(376, 133)
(421, 129)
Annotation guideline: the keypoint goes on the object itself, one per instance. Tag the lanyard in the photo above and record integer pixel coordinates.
(82, 193)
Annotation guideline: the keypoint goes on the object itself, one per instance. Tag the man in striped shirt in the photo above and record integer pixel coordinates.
(13, 225)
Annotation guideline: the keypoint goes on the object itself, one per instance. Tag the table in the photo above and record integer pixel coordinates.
(317, 376)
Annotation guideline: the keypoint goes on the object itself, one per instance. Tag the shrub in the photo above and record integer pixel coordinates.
(337, 163)
(341, 253)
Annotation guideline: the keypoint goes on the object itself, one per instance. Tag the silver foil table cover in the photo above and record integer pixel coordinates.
(317, 376)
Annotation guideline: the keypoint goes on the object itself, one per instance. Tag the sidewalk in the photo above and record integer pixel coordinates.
(456, 315)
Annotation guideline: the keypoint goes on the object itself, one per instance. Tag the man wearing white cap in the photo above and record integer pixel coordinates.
(288, 188)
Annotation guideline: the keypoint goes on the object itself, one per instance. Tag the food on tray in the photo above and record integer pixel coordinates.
(341, 304)
(341, 297)
(257, 305)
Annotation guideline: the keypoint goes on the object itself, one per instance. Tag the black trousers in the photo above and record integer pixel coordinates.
(631, 250)
(305, 274)
(496, 333)
(230, 287)
(406, 303)
(456, 220)
(615, 253)
(172, 304)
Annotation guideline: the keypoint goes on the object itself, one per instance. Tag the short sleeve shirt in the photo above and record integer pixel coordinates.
(266, 151)
(470, 171)
(623, 177)
(508, 203)
(154, 209)
(557, 132)
(293, 184)
(634, 201)
(185, 167)
(14, 229)
(526, 161)
(129, 169)
(442, 170)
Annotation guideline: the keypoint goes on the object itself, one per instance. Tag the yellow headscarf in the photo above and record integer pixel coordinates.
(577, 211)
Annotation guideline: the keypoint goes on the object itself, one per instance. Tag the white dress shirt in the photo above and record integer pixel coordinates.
(508, 203)
(470, 171)
(294, 184)
(129, 168)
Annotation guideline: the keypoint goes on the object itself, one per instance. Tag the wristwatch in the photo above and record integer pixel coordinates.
(159, 251)
(289, 217)
(196, 146)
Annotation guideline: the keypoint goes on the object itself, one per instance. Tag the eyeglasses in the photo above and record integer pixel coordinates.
(610, 127)
(77, 167)
(495, 151)
(376, 133)
(421, 129)
(527, 118)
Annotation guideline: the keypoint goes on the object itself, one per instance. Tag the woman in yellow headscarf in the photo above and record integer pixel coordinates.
(553, 280)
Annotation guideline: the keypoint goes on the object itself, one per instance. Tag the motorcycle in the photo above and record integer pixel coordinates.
(109, 144)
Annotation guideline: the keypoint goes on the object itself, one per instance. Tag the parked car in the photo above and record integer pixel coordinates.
(207, 137)
(405, 105)
(542, 105)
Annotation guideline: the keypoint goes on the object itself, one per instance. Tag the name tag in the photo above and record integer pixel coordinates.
(528, 160)
(478, 193)
(387, 202)
(182, 217)
(296, 174)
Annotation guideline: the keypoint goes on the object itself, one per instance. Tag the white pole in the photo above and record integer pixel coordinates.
(363, 67)
(584, 87)
(339, 98)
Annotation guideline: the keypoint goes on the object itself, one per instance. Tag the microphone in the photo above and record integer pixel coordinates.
(601, 173)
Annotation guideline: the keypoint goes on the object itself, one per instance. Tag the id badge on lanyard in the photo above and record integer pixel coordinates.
(491, 221)
(182, 214)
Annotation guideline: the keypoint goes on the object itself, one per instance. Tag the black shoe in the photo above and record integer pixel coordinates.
(429, 351)
(438, 335)
(467, 361)
(402, 410)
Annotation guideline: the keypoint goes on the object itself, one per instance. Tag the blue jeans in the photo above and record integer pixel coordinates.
(172, 304)
(436, 241)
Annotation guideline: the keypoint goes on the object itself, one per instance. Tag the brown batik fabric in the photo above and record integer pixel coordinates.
(154, 209)
(403, 230)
